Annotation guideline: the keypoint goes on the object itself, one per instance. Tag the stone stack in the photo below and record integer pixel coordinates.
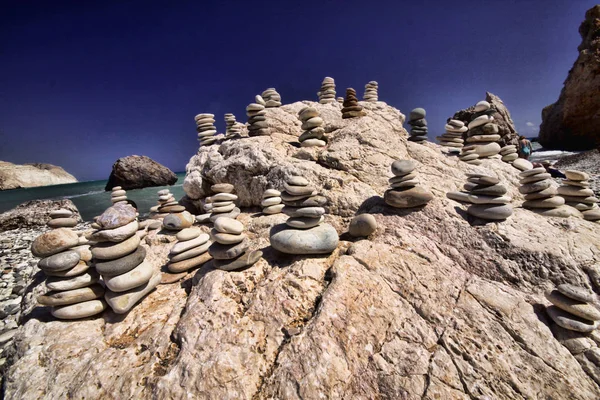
(61, 219)
(453, 137)
(120, 259)
(165, 197)
(271, 202)
(509, 153)
(371, 92)
(577, 193)
(175, 217)
(327, 92)
(205, 125)
(222, 203)
(483, 132)
(304, 232)
(340, 100)
(232, 129)
(190, 250)
(118, 195)
(271, 98)
(231, 246)
(257, 120)
(418, 123)
(540, 195)
(404, 191)
(312, 125)
(486, 195)
(351, 107)
(573, 308)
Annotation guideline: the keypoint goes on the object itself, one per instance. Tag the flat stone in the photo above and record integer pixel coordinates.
(163, 192)
(179, 221)
(188, 234)
(362, 225)
(582, 206)
(584, 200)
(245, 260)
(271, 193)
(577, 293)
(122, 302)
(407, 198)
(312, 212)
(286, 197)
(575, 191)
(298, 190)
(482, 199)
(222, 188)
(131, 279)
(86, 279)
(193, 252)
(484, 180)
(312, 123)
(559, 212)
(229, 225)
(481, 120)
(62, 223)
(231, 214)
(322, 239)
(304, 222)
(487, 150)
(459, 196)
(456, 123)
(575, 307)
(483, 138)
(59, 262)
(117, 200)
(569, 321)
(180, 247)
(490, 129)
(583, 184)
(78, 269)
(168, 278)
(111, 251)
(275, 209)
(469, 157)
(522, 164)
(417, 113)
(121, 265)
(307, 113)
(510, 157)
(114, 235)
(53, 242)
(550, 202)
(312, 201)
(315, 133)
(202, 218)
(227, 251)
(403, 178)
(592, 215)
(224, 197)
(226, 238)
(549, 192)
(535, 186)
(222, 208)
(405, 184)
(61, 213)
(489, 190)
(531, 172)
(491, 212)
(402, 167)
(535, 178)
(313, 143)
(79, 310)
(510, 149)
(189, 263)
(71, 296)
(576, 175)
(270, 201)
(116, 216)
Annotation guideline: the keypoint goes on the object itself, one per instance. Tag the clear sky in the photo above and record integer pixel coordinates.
(83, 83)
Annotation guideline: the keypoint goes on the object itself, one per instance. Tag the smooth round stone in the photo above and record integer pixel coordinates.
(114, 235)
(227, 251)
(577, 293)
(232, 214)
(535, 186)
(297, 181)
(193, 252)
(121, 302)
(550, 202)
(245, 260)
(171, 209)
(583, 184)
(259, 100)
(469, 157)
(522, 164)
(298, 190)
(222, 188)
(79, 310)
(307, 113)
(403, 178)
(121, 265)
(535, 178)
(202, 218)
(402, 167)
(576, 175)
(474, 162)
(592, 215)
(570, 321)
(71, 296)
(119, 199)
(582, 206)
(559, 212)
(271, 193)
(131, 279)
(152, 225)
(226, 238)
(179, 221)
(549, 192)
(224, 197)
(484, 180)
(313, 143)
(180, 247)
(223, 209)
(62, 223)
(59, 262)
(163, 192)
(270, 201)
(482, 199)
(189, 263)
(490, 211)
(78, 269)
(489, 190)
(584, 200)
(86, 279)
(54, 242)
(483, 138)
(203, 115)
(450, 128)
(511, 148)
(574, 191)
(229, 225)
(482, 106)
(407, 198)
(116, 216)
(487, 150)
(255, 107)
(304, 222)
(481, 120)
(275, 209)
(459, 196)
(532, 172)
(61, 213)
(417, 113)
(111, 251)
(188, 234)
(362, 225)
(510, 157)
(456, 123)
(321, 239)
(118, 193)
(312, 123)
(311, 212)
(406, 184)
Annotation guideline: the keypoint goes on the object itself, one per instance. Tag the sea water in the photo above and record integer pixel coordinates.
(89, 197)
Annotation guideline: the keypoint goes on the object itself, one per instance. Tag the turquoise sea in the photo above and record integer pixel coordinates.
(89, 197)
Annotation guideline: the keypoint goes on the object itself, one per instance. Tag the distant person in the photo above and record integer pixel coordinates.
(525, 148)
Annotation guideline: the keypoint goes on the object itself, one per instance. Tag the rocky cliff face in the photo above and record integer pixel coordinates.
(433, 305)
(13, 176)
(136, 172)
(573, 122)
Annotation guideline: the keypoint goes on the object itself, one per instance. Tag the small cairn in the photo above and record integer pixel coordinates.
(540, 195)
(165, 198)
(232, 129)
(573, 308)
(370, 94)
(453, 136)
(190, 250)
(404, 191)
(483, 132)
(577, 193)
(312, 125)
(418, 123)
(205, 125)
(486, 195)
(340, 100)
(176, 217)
(271, 202)
(120, 259)
(221, 204)
(61, 219)
(118, 195)
(509, 153)
(230, 247)
(271, 98)
(327, 92)
(351, 107)
(257, 120)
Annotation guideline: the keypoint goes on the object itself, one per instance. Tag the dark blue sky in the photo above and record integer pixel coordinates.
(83, 83)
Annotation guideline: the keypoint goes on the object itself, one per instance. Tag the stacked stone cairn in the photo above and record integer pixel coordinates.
(312, 125)
(573, 308)
(577, 193)
(164, 197)
(271, 98)
(404, 191)
(340, 100)
(327, 92)
(453, 137)
(509, 153)
(230, 249)
(351, 107)
(222, 203)
(370, 94)
(257, 120)
(118, 195)
(272, 202)
(304, 232)
(176, 217)
(120, 259)
(540, 195)
(486, 195)
(190, 250)
(61, 219)
(483, 132)
(232, 129)
(418, 123)
(205, 125)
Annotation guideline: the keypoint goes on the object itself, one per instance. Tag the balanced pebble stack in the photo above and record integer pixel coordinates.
(540, 195)
(312, 125)
(174, 215)
(418, 123)
(271, 98)
(257, 120)
(453, 137)
(61, 219)
(577, 193)
(205, 125)
(351, 107)
(483, 133)
(404, 191)
(118, 195)
(486, 195)
(272, 202)
(120, 259)
(190, 250)
(230, 247)
(340, 100)
(165, 197)
(232, 129)
(327, 92)
(573, 308)
(370, 94)
(222, 203)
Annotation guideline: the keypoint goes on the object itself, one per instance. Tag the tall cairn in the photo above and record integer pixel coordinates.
(190, 251)
(371, 92)
(230, 249)
(418, 123)
(453, 137)
(271, 98)
(232, 129)
(351, 107)
(222, 203)
(312, 125)
(575, 190)
(327, 92)
(257, 121)
(205, 125)
(483, 132)
(118, 195)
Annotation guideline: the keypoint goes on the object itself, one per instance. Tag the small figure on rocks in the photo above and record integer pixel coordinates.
(525, 148)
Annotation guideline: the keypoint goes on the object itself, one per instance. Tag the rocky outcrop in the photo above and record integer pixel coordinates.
(13, 176)
(573, 122)
(506, 126)
(136, 172)
(34, 213)
(434, 305)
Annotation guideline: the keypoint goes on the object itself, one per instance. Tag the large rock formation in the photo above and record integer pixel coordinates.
(434, 305)
(35, 213)
(573, 122)
(136, 172)
(13, 176)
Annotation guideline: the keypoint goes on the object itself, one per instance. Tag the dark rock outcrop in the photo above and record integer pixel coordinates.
(34, 213)
(573, 122)
(136, 172)
(13, 176)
